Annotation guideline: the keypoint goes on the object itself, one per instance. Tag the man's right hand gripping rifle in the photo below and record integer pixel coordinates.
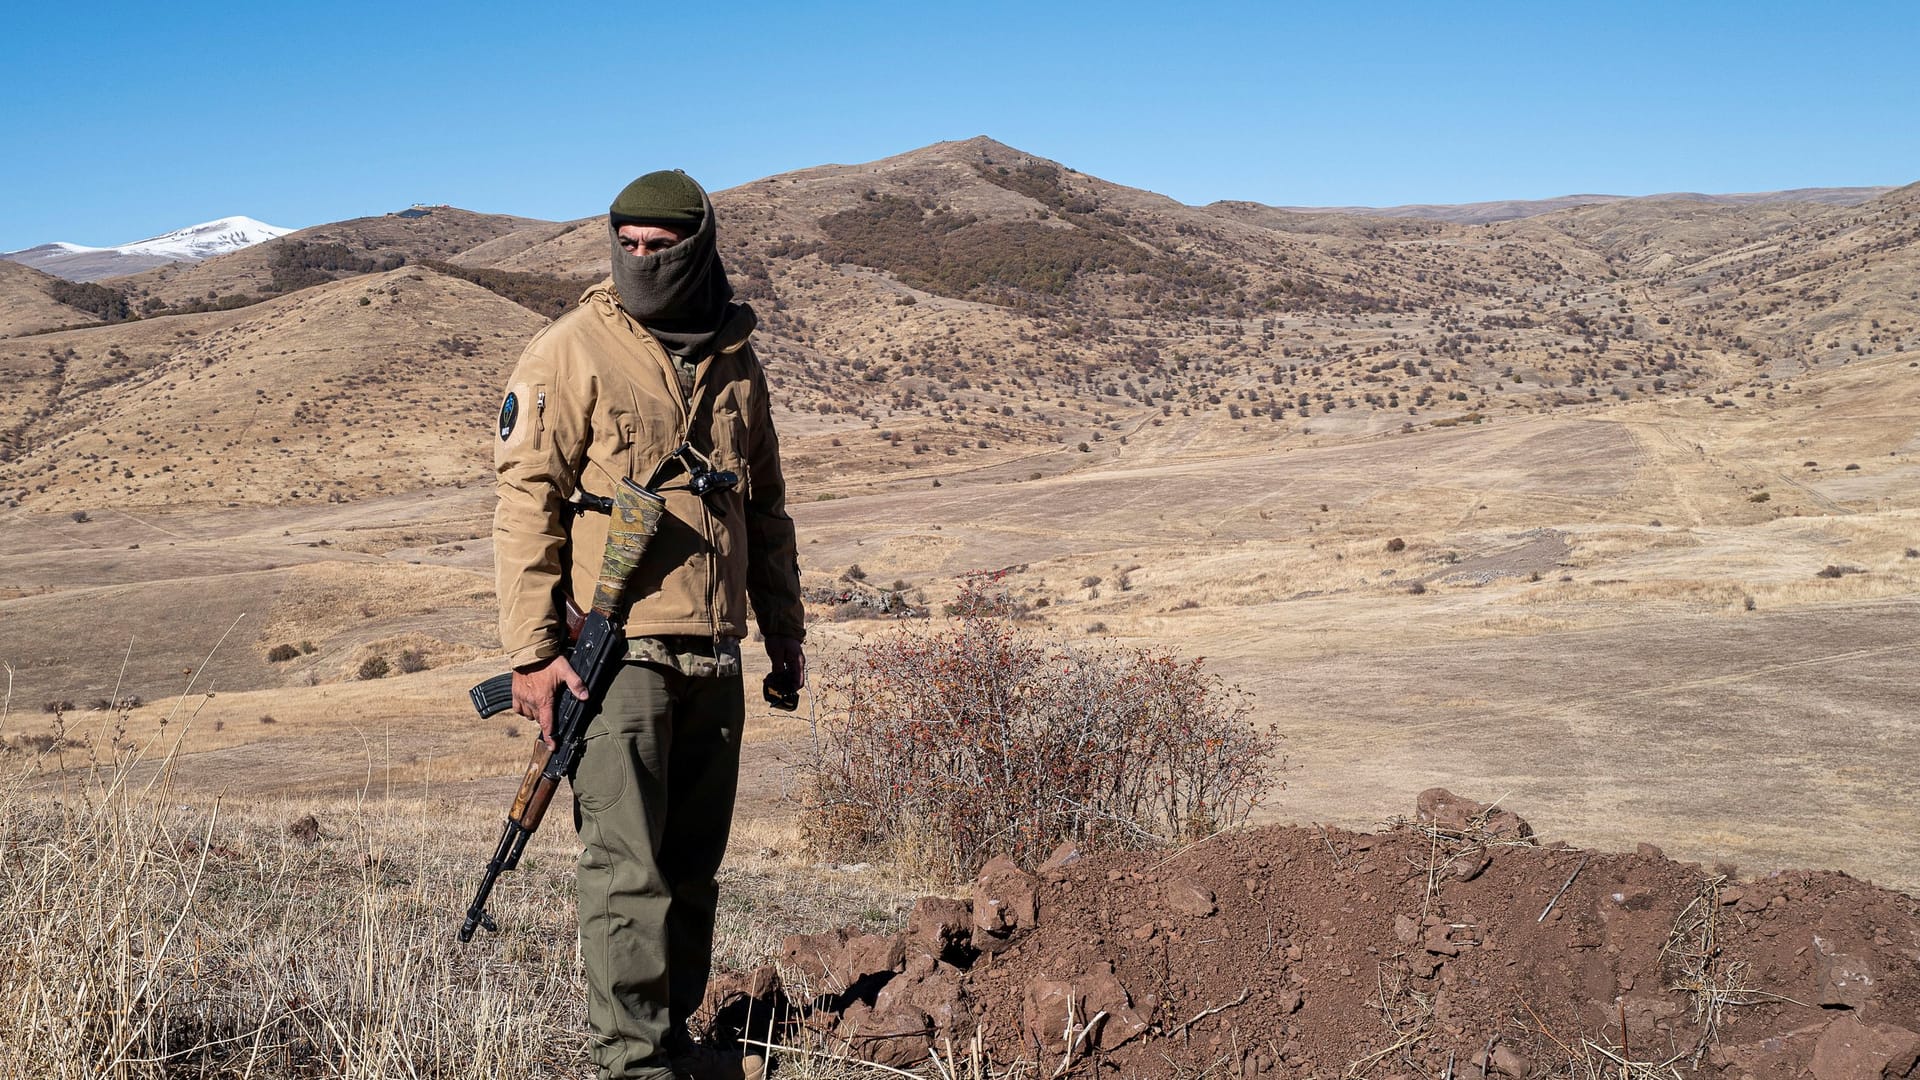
(563, 718)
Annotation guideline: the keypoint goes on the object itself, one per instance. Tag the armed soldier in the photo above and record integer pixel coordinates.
(652, 369)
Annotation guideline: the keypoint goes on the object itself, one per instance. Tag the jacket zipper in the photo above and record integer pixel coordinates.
(539, 414)
(689, 405)
(713, 543)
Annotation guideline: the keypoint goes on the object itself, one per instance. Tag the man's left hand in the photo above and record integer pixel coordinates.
(786, 654)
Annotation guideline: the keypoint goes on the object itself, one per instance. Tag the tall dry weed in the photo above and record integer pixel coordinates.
(145, 936)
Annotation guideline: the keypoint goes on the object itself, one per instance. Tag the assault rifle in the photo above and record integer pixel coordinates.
(635, 513)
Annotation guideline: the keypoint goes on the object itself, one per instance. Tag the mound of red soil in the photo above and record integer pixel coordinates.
(1453, 945)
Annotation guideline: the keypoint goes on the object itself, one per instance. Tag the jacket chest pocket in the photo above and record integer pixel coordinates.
(729, 437)
(621, 447)
(647, 439)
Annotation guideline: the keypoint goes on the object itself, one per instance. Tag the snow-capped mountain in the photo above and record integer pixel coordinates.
(76, 262)
(204, 241)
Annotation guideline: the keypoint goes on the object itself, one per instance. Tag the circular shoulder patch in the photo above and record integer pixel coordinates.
(509, 412)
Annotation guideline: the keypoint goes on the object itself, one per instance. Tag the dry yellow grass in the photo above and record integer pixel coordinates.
(156, 931)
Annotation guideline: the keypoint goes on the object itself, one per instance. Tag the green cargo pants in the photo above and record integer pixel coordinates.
(653, 803)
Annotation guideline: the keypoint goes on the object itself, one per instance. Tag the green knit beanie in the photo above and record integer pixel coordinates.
(669, 198)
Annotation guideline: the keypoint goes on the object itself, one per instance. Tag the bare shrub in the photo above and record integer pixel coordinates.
(282, 653)
(412, 660)
(953, 745)
(374, 667)
(1396, 544)
(1832, 571)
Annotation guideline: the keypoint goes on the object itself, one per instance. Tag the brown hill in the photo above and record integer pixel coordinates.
(314, 255)
(45, 375)
(1482, 213)
(30, 302)
(384, 383)
(1834, 291)
(968, 304)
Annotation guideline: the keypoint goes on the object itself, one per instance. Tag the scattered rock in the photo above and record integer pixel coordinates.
(1845, 981)
(1472, 865)
(1406, 929)
(1101, 992)
(1063, 856)
(1048, 1013)
(748, 1006)
(1511, 1062)
(942, 927)
(1850, 1049)
(865, 956)
(810, 954)
(1093, 1011)
(1442, 808)
(305, 829)
(1006, 899)
(896, 1038)
(1188, 898)
(934, 990)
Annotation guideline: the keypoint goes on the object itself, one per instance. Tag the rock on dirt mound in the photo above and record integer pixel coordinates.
(1451, 944)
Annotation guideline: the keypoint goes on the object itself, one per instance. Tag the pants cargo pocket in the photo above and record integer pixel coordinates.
(603, 775)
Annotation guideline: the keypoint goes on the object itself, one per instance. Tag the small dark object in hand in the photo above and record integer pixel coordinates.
(782, 690)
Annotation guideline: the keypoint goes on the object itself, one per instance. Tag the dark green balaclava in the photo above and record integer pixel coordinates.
(680, 295)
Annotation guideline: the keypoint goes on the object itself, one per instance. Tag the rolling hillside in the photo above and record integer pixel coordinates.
(1650, 466)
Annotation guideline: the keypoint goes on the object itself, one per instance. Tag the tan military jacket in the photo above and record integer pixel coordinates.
(594, 398)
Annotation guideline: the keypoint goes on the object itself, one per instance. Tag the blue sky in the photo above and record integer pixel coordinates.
(119, 121)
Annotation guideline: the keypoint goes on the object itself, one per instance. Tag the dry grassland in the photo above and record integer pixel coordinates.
(1614, 513)
(1655, 653)
(156, 929)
